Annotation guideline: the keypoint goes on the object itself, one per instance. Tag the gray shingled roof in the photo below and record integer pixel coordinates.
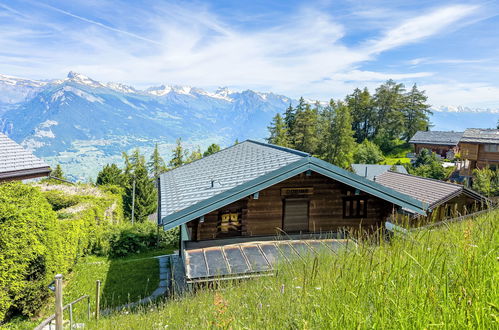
(433, 192)
(187, 192)
(231, 167)
(437, 137)
(15, 160)
(477, 135)
(374, 170)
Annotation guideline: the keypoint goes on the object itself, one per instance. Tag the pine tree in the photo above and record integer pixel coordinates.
(178, 155)
(363, 112)
(110, 175)
(289, 118)
(278, 132)
(305, 129)
(339, 142)
(58, 173)
(416, 112)
(156, 164)
(145, 190)
(211, 149)
(389, 101)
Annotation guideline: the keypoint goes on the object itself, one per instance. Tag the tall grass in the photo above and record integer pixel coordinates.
(440, 278)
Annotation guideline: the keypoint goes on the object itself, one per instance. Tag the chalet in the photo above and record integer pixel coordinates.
(444, 144)
(370, 171)
(252, 192)
(444, 199)
(479, 149)
(18, 164)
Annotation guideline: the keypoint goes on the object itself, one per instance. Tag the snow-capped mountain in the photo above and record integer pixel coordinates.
(459, 108)
(70, 119)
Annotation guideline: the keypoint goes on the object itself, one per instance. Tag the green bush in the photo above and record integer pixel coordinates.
(36, 242)
(59, 200)
(130, 239)
(28, 228)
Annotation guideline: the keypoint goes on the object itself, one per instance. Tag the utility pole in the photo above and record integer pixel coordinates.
(58, 302)
(133, 202)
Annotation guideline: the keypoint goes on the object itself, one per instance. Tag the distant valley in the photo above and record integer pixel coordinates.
(84, 124)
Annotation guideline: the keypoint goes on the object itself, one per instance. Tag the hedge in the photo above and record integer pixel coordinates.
(36, 242)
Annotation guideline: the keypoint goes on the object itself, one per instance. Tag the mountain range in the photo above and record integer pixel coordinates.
(82, 123)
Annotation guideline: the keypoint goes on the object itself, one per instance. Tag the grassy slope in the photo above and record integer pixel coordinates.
(442, 278)
(123, 280)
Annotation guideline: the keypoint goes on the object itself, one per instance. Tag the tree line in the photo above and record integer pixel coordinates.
(358, 128)
(142, 173)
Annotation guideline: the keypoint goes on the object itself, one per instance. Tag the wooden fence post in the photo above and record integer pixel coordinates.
(97, 299)
(58, 302)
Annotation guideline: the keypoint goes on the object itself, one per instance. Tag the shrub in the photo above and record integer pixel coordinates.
(129, 239)
(60, 200)
(28, 228)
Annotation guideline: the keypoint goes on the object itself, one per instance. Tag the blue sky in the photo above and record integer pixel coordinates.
(318, 49)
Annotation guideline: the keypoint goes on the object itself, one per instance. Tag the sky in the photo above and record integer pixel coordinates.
(316, 49)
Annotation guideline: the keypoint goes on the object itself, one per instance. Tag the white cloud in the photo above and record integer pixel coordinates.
(302, 54)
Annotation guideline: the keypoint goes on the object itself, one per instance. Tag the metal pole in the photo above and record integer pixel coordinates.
(97, 299)
(133, 201)
(58, 302)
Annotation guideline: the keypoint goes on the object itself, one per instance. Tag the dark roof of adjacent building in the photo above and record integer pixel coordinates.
(369, 171)
(16, 163)
(193, 190)
(479, 135)
(430, 191)
(448, 138)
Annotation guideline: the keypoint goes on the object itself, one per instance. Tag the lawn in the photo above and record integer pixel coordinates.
(123, 280)
(441, 278)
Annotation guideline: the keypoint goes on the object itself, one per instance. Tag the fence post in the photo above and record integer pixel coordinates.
(58, 302)
(97, 299)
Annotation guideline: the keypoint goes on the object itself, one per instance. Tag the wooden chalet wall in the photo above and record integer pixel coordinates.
(264, 216)
(436, 148)
(477, 156)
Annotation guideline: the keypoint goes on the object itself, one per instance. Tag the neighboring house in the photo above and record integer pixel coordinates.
(444, 144)
(18, 164)
(479, 149)
(446, 199)
(369, 171)
(254, 190)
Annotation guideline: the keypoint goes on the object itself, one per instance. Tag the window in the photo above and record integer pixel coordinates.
(491, 148)
(354, 207)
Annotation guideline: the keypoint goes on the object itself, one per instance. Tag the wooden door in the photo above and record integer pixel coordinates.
(295, 215)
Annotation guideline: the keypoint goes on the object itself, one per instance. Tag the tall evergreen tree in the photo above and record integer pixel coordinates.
(156, 164)
(305, 129)
(212, 148)
(416, 112)
(58, 173)
(145, 191)
(178, 155)
(278, 132)
(339, 142)
(363, 112)
(389, 101)
(111, 174)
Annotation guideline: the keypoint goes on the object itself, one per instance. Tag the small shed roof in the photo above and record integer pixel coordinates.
(205, 185)
(478, 135)
(430, 191)
(16, 163)
(369, 171)
(448, 138)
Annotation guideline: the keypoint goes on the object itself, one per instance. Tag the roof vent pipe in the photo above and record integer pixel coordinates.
(365, 176)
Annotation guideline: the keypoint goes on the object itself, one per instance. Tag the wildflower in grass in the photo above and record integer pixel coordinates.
(221, 307)
(282, 289)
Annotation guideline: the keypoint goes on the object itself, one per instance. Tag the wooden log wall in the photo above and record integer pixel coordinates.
(264, 216)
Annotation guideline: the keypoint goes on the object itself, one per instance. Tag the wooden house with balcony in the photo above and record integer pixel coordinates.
(479, 149)
(230, 207)
(443, 143)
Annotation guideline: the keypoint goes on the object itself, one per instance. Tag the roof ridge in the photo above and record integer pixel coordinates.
(275, 146)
